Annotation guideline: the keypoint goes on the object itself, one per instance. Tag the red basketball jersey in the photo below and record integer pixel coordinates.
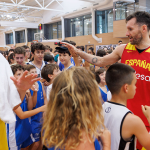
(141, 63)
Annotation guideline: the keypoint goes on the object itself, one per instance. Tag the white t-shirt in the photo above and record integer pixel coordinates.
(38, 69)
(48, 91)
(9, 96)
(114, 116)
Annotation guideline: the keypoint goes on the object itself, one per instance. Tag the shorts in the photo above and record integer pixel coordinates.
(36, 136)
(138, 145)
(25, 144)
(3, 136)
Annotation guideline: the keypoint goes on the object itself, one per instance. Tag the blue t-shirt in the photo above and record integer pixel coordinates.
(103, 94)
(61, 66)
(19, 131)
(96, 144)
(36, 120)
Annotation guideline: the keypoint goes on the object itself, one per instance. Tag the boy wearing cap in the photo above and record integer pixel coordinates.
(65, 57)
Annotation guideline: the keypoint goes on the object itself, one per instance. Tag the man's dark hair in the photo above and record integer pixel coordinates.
(119, 41)
(29, 67)
(19, 50)
(48, 69)
(16, 67)
(37, 46)
(141, 17)
(117, 75)
(25, 46)
(48, 57)
(78, 47)
(101, 53)
(73, 43)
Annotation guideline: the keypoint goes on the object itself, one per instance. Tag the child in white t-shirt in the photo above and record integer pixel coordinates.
(49, 72)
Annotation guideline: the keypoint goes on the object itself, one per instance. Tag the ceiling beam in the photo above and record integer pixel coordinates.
(39, 4)
(30, 7)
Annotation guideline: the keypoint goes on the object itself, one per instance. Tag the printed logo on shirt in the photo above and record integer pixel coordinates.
(36, 135)
(108, 109)
(142, 77)
(129, 51)
(137, 62)
(42, 95)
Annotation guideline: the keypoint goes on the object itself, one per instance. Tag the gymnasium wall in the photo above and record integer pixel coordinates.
(107, 39)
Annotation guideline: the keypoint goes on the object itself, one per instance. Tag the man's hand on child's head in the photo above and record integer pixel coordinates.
(25, 81)
(72, 49)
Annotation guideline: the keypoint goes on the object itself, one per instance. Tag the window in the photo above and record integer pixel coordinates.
(87, 25)
(53, 31)
(110, 20)
(30, 33)
(120, 11)
(104, 21)
(59, 30)
(9, 38)
(124, 9)
(78, 26)
(20, 36)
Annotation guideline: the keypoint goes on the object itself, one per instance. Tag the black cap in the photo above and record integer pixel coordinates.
(63, 49)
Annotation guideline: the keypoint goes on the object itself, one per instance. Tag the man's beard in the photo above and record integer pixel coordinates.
(137, 39)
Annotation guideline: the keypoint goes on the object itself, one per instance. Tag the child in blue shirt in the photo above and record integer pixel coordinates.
(65, 58)
(36, 120)
(19, 133)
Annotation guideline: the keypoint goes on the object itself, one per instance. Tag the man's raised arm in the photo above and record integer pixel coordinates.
(95, 60)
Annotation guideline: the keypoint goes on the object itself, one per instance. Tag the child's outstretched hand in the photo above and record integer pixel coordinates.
(106, 139)
(25, 81)
(146, 112)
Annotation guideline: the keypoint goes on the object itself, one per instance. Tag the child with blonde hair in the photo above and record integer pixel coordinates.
(73, 117)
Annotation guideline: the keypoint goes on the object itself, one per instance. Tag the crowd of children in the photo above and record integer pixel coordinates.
(72, 104)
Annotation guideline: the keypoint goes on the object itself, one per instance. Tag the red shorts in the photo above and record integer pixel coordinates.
(138, 145)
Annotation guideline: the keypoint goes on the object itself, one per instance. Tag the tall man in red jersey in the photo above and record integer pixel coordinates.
(136, 54)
